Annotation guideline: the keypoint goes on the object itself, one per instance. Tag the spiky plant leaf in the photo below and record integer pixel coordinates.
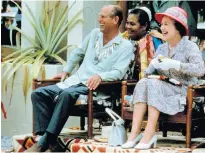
(12, 88)
(37, 64)
(62, 36)
(10, 35)
(25, 35)
(59, 22)
(65, 49)
(63, 62)
(18, 40)
(17, 60)
(26, 82)
(50, 29)
(43, 70)
(36, 26)
(46, 17)
(13, 68)
(16, 53)
(49, 34)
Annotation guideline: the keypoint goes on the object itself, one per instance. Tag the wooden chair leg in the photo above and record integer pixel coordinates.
(123, 93)
(189, 116)
(90, 114)
(82, 123)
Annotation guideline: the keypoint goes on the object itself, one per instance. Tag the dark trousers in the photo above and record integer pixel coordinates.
(52, 106)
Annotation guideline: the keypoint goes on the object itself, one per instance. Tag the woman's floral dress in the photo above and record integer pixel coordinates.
(168, 98)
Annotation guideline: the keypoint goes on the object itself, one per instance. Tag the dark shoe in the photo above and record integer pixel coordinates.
(35, 148)
(56, 148)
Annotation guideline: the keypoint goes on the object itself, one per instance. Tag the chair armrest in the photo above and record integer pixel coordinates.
(110, 83)
(46, 80)
(129, 82)
(36, 83)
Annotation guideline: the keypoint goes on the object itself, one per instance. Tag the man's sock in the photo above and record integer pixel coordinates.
(43, 142)
(47, 139)
(52, 138)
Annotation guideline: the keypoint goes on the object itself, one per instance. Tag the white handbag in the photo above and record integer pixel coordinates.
(118, 134)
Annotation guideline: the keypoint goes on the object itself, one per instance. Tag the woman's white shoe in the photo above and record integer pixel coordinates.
(151, 144)
(131, 144)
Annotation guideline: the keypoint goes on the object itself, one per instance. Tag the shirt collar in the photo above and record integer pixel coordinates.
(116, 40)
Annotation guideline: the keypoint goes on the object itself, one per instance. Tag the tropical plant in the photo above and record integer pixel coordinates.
(50, 28)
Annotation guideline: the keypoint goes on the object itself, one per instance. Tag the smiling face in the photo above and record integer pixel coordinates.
(106, 19)
(134, 29)
(168, 29)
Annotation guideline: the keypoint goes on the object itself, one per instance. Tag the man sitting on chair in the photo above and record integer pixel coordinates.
(105, 56)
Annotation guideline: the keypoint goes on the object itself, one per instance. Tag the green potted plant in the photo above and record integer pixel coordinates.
(50, 28)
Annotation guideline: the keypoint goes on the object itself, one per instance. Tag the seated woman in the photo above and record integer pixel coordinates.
(182, 61)
(145, 43)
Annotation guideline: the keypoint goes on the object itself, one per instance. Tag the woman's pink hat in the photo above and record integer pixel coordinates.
(175, 13)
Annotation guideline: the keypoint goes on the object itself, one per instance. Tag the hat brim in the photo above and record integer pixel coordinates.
(159, 16)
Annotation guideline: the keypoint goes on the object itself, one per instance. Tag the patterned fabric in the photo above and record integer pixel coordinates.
(98, 147)
(102, 53)
(130, 74)
(165, 97)
(66, 142)
(23, 142)
(177, 13)
(143, 53)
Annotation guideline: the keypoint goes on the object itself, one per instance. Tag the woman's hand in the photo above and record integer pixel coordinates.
(152, 66)
(167, 64)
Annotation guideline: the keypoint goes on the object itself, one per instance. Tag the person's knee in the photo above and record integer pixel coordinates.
(142, 81)
(68, 97)
(68, 93)
(36, 93)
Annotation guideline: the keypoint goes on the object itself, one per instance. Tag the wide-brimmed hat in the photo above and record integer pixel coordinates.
(175, 13)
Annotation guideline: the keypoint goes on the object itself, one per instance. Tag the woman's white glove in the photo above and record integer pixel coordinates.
(152, 66)
(167, 64)
(155, 62)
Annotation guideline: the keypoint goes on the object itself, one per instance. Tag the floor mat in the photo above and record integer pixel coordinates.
(104, 148)
(173, 143)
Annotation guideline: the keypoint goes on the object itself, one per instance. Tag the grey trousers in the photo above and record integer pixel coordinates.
(52, 105)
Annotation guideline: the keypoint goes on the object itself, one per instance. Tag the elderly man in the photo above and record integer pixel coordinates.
(105, 56)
